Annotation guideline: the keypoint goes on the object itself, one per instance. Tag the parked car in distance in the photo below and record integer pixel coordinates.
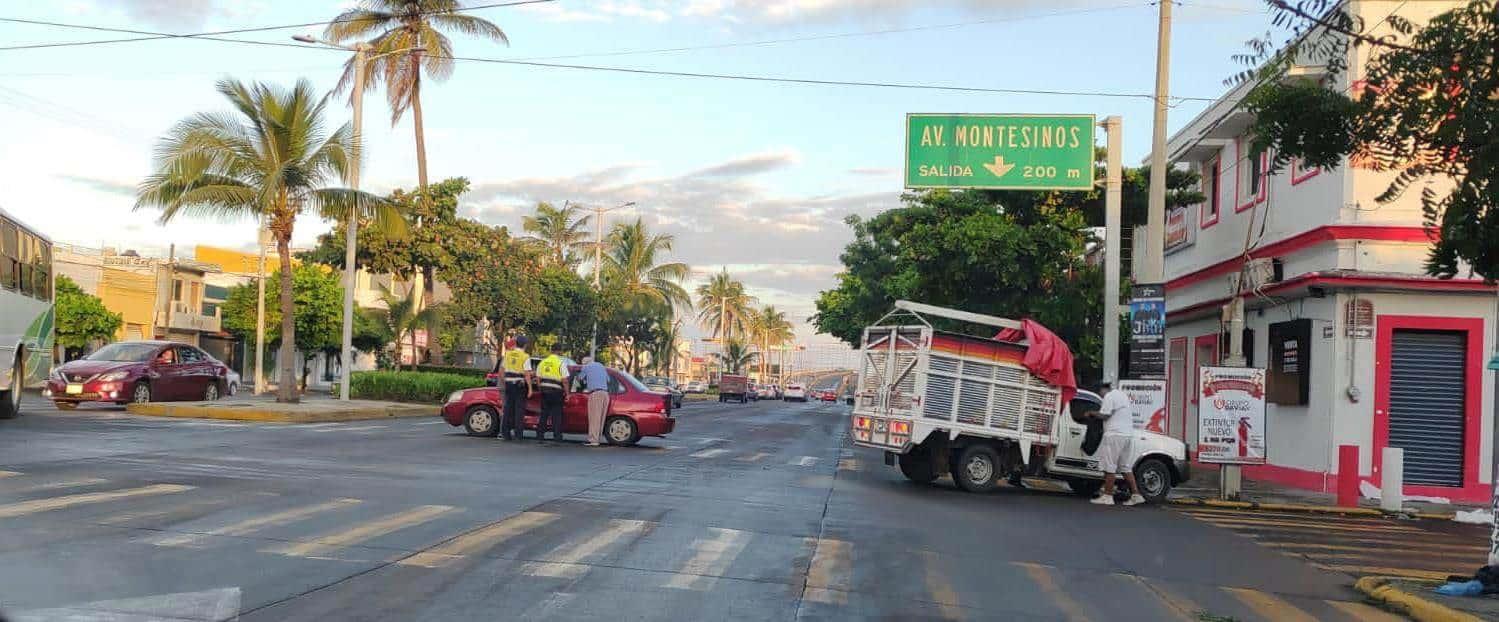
(697, 386)
(635, 411)
(848, 396)
(665, 385)
(795, 392)
(770, 392)
(827, 395)
(752, 392)
(232, 382)
(138, 371)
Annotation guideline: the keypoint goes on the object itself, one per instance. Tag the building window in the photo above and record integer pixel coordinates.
(1209, 209)
(176, 290)
(1300, 173)
(1249, 176)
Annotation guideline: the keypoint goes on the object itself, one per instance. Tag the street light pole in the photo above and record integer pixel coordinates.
(351, 228)
(598, 268)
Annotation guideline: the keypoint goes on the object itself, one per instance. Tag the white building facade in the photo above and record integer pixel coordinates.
(1362, 347)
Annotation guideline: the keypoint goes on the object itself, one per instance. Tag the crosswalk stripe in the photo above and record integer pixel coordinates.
(355, 428)
(34, 506)
(940, 588)
(1183, 608)
(1364, 613)
(1266, 524)
(830, 572)
(709, 453)
(1387, 571)
(372, 529)
(1270, 606)
(758, 456)
(805, 461)
(71, 483)
(470, 543)
(1041, 575)
(5, 474)
(1423, 547)
(175, 509)
(1392, 557)
(1298, 516)
(568, 564)
(1371, 541)
(252, 525)
(710, 559)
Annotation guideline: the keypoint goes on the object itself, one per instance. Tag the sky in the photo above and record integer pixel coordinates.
(750, 176)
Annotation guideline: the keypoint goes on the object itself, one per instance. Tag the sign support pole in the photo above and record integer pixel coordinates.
(1113, 126)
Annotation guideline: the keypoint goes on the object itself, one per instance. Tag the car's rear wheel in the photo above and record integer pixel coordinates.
(621, 431)
(211, 393)
(481, 420)
(10, 401)
(142, 393)
(976, 469)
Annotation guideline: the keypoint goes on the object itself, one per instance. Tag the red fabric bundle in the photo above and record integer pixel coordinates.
(1047, 356)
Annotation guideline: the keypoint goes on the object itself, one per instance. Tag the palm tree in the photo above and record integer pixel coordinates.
(559, 231)
(768, 327)
(723, 305)
(271, 161)
(668, 331)
(404, 316)
(410, 35)
(735, 354)
(631, 262)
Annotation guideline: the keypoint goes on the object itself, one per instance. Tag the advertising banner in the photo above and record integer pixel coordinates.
(1149, 400)
(1147, 327)
(1231, 415)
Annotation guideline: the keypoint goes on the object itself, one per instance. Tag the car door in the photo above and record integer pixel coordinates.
(166, 375)
(1070, 457)
(575, 407)
(194, 372)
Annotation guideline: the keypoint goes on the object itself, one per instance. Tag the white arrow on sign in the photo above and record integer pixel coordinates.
(205, 606)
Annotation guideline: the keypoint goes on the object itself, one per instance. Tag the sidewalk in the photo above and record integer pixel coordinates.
(315, 410)
(1204, 485)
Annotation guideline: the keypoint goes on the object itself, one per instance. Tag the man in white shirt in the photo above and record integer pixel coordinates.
(1115, 451)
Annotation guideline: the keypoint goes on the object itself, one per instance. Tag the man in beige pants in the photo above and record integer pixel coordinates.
(595, 380)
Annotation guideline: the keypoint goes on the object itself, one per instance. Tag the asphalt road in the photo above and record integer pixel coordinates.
(748, 512)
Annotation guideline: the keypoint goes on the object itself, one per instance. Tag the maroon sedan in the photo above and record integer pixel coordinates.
(635, 411)
(138, 371)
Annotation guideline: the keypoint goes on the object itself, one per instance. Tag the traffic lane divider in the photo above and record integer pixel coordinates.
(1419, 609)
(1306, 508)
(318, 411)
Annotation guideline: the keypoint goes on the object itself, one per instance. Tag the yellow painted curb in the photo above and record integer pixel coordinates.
(271, 413)
(1294, 507)
(1419, 609)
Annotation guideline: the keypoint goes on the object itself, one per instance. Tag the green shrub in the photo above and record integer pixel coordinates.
(408, 386)
(447, 369)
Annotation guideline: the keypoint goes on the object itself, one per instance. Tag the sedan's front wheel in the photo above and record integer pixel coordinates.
(211, 393)
(141, 394)
(481, 421)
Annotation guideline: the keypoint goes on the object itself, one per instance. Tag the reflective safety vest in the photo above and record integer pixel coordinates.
(549, 370)
(515, 365)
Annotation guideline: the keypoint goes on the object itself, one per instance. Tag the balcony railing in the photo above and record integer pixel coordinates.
(185, 317)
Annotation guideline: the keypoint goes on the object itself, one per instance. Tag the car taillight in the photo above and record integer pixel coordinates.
(861, 422)
(902, 428)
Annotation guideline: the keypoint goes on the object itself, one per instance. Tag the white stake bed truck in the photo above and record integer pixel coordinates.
(943, 403)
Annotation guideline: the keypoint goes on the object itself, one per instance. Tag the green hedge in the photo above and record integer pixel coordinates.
(445, 369)
(408, 386)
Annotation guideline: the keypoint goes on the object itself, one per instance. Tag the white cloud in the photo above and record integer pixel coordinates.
(776, 12)
(183, 14)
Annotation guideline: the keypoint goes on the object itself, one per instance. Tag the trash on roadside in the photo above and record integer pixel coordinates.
(1465, 588)
(1475, 517)
(1485, 581)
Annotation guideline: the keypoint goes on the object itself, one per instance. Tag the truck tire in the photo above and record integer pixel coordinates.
(918, 467)
(1154, 479)
(1085, 487)
(976, 469)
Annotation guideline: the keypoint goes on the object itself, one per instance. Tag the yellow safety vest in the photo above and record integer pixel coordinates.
(550, 368)
(515, 362)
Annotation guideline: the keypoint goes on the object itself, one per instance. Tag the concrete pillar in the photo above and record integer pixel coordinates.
(1392, 478)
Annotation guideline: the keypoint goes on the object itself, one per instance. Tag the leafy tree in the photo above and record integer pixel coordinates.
(1426, 114)
(1008, 254)
(317, 322)
(407, 40)
(736, 354)
(723, 305)
(404, 315)
(499, 285)
(561, 231)
(272, 160)
(82, 318)
(569, 307)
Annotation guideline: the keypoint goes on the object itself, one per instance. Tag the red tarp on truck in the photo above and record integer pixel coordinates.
(1046, 356)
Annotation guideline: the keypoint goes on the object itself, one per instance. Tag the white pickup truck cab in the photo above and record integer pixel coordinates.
(941, 403)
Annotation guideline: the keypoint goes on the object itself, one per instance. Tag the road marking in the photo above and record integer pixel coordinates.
(57, 503)
(355, 428)
(940, 588)
(806, 461)
(486, 537)
(366, 531)
(1041, 575)
(1238, 524)
(5, 474)
(569, 564)
(253, 525)
(1428, 548)
(1364, 613)
(1270, 606)
(1184, 608)
(711, 558)
(173, 510)
(1297, 516)
(217, 604)
(850, 464)
(433, 423)
(758, 456)
(1384, 570)
(709, 453)
(71, 483)
(830, 572)
(709, 440)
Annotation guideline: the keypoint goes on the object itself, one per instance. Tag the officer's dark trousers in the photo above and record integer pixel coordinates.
(551, 411)
(515, 410)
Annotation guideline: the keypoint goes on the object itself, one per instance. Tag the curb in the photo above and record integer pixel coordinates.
(252, 412)
(1419, 609)
(1311, 509)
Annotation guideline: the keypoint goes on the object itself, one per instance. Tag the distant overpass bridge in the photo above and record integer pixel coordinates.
(823, 379)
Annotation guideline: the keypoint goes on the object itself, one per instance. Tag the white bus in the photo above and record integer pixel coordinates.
(26, 333)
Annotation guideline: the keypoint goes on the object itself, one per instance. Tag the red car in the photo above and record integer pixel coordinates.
(828, 396)
(635, 411)
(138, 371)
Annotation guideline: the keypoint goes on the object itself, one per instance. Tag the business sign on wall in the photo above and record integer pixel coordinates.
(1000, 151)
(1231, 415)
(1148, 398)
(1147, 329)
(1180, 233)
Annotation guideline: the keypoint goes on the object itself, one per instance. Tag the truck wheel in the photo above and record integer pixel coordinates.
(918, 467)
(976, 469)
(1154, 478)
(1085, 487)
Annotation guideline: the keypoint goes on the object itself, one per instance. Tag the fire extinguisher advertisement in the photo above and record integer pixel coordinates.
(1231, 415)
(1148, 397)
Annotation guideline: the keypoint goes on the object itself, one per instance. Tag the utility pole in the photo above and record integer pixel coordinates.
(598, 267)
(261, 238)
(171, 288)
(351, 228)
(1153, 270)
(1113, 126)
(1494, 482)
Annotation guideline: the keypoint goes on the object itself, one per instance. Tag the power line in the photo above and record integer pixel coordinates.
(153, 36)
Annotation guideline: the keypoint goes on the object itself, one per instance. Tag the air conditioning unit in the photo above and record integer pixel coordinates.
(1262, 272)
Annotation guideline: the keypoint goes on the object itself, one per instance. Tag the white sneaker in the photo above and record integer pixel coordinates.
(1102, 500)
(1135, 500)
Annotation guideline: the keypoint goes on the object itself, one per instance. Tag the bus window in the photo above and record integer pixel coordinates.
(10, 255)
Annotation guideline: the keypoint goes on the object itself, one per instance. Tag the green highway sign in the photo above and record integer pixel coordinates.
(1000, 151)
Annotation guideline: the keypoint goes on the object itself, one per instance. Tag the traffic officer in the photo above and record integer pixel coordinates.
(551, 376)
(518, 388)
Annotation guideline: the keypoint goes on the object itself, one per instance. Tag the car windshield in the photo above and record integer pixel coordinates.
(123, 352)
(633, 382)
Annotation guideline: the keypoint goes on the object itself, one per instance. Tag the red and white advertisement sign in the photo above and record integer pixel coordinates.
(1231, 415)
(1149, 400)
